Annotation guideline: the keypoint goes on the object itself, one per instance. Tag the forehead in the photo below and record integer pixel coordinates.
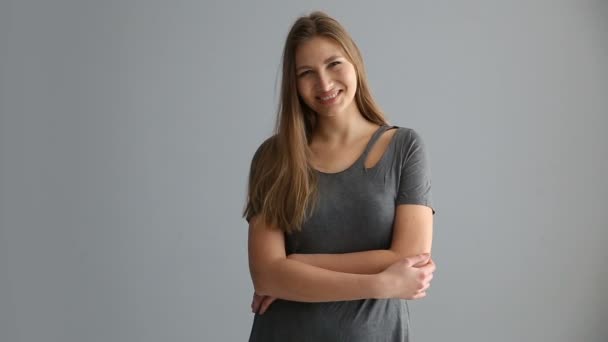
(316, 50)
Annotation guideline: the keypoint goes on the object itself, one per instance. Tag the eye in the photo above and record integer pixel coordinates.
(304, 73)
(334, 63)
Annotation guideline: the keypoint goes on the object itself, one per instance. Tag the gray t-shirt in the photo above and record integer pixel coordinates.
(355, 213)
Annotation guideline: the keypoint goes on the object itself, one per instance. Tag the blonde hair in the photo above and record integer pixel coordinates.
(282, 185)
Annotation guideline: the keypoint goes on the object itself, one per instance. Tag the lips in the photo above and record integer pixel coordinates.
(329, 97)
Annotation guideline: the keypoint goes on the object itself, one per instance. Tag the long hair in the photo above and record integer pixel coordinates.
(282, 184)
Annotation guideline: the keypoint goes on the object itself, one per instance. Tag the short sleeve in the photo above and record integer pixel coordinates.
(415, 178)
(254, 200)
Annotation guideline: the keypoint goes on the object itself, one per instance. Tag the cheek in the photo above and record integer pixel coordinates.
(300, 89)
(303, 89)
(349, 76)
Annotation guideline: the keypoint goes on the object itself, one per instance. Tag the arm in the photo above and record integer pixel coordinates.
(275, 275)
(367, 262)
(412, 234)
(413, 224)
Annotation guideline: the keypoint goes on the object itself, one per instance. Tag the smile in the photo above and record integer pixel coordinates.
(330, 98)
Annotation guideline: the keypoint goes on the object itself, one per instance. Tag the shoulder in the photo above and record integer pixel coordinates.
(408, 136)
(266, 148)
(409, 144)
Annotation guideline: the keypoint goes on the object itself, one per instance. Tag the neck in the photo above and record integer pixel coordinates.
(343, 128)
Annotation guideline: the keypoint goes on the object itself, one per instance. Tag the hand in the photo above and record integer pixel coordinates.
(261, 303)
(408, 278)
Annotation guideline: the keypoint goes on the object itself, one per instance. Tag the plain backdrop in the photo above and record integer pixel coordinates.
(127, 128)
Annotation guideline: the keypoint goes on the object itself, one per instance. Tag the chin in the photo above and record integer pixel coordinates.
(332, 113)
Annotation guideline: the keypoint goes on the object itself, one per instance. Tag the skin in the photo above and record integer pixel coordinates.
(322, 69)
(340, 136)
(423, 264)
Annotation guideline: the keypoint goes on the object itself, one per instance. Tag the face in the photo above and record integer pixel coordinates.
(326, 80)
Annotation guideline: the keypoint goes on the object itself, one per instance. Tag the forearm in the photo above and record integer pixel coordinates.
(367, 262)
(297, 281)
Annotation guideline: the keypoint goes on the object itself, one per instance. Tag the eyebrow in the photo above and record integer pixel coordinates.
(331, 58)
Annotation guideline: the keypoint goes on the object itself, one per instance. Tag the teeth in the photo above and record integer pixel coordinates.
(330, 97)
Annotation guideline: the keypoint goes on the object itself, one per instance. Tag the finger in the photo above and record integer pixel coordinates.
(425, 287)
(420, 263)
(429, 267)
(263, 305)
(413, 260)
(266, 303)
(256, 303)
(419, 295)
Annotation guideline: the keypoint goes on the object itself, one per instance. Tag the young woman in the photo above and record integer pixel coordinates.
(339, 203)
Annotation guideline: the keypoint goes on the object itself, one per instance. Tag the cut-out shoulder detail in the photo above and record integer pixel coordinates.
(378, 149)
(358, 161)
(355, 211)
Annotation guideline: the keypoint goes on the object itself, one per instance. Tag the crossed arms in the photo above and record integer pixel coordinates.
(333, 277)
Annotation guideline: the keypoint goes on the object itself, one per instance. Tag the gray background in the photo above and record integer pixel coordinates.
(127, 128)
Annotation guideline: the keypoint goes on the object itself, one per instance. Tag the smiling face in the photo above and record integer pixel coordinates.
(326, 80)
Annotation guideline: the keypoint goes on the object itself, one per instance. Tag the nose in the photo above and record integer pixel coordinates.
(324, 82)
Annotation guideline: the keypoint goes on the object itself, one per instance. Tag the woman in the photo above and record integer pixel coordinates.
(339, 203)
